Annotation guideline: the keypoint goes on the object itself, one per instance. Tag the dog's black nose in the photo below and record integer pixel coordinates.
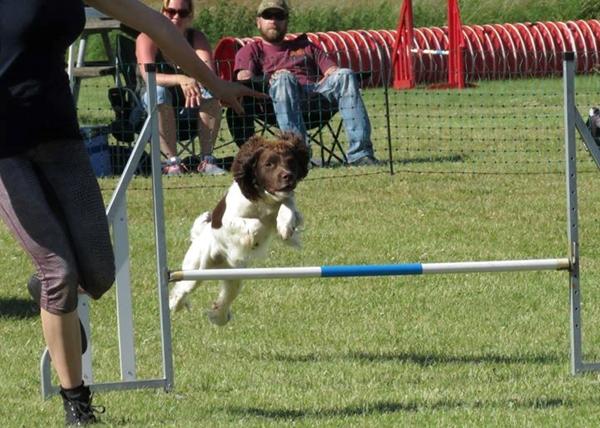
(286, 175)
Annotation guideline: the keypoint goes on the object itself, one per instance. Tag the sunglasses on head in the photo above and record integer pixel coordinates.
(171, 12)
(275, 15)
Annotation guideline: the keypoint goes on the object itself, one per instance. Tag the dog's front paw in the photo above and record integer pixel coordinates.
(288, 222)
(219, 318)
(248, 231)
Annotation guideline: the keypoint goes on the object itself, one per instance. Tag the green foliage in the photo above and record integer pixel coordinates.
(225, 19)
(230, 18)
(590, 9)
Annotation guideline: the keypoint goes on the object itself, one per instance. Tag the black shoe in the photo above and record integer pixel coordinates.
(77, 403)
(366, 161)
(34, 286)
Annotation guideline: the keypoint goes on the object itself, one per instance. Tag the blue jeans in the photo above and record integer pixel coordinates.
(341, 89)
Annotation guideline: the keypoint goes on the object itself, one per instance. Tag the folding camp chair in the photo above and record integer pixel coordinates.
(317, 113)
(127, 105)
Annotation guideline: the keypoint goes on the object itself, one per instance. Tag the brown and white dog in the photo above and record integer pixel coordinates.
(258, 205)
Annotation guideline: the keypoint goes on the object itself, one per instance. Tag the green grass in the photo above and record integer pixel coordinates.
(466, 350)
(478, 177)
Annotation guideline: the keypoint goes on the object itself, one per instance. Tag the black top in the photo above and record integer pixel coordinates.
(36, 104)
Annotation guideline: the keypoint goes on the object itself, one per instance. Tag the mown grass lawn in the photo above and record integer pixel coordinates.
(478, 177)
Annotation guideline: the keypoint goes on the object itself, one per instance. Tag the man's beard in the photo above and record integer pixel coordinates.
(273, 36)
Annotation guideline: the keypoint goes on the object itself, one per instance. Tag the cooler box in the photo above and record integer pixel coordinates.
(96, 142)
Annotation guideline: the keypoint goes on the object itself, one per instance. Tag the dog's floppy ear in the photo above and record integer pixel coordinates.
(300, 152)
(244, 165)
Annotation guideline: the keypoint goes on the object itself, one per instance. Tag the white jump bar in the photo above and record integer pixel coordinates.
(372, 270)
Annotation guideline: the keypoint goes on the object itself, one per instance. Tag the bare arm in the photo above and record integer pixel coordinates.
(136, 15)
(145, 53)
(203, 49)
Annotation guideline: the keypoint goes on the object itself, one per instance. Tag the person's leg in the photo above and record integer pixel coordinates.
(51, 202)
(341, 87)
(167, 128)
(62, 336)
(209, 122)
(71, 187)
(25, 210)
(241, 127)
(286, 94)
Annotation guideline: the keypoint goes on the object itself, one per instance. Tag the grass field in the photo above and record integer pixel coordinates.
(478, 177)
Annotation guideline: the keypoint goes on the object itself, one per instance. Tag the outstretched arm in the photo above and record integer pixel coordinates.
(137, 15)
(145, 53)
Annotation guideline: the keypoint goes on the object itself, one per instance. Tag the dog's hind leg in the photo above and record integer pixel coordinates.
(178, 295)
(220, 313)
(179, 292)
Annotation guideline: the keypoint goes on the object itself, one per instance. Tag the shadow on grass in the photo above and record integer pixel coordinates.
(13, 308)
(383, 407)
(431, 359)
(430, 159)
(422, 359)
(418, 160)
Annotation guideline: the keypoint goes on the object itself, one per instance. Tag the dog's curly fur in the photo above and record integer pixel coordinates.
(258, 205)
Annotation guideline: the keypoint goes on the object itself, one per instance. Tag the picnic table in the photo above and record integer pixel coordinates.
(78, 67)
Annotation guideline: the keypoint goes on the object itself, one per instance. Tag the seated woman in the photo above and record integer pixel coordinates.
(178, 94)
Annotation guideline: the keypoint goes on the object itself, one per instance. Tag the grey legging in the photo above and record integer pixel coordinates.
(51, 202)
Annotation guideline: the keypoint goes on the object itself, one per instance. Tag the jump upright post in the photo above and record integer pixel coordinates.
(573, 122)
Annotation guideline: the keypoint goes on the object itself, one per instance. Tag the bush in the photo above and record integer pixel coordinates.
(229, 18)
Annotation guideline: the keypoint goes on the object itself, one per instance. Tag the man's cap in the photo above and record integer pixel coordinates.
(273, 4)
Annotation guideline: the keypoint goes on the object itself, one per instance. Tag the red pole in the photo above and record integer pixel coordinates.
(456, 69)
(402, 57)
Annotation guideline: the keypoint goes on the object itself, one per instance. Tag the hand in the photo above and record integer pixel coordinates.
(277, 74)
(230, 94)
(192, 92)
(329, 71)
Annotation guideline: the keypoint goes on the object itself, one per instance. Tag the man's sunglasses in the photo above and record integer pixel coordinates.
(275, 15)
(170, 12)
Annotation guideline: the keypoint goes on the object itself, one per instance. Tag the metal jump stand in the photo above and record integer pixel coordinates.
(573, 121)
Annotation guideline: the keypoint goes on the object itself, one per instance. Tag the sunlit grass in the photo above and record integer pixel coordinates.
(478, 177)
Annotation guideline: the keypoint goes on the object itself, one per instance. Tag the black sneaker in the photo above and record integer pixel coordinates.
(366, 161)
(77, 403)
(34, 286)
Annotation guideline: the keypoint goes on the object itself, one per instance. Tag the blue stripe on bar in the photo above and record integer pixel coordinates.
(372, 270)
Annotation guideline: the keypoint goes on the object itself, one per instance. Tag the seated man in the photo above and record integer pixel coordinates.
(292, 67)
(171, 84)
